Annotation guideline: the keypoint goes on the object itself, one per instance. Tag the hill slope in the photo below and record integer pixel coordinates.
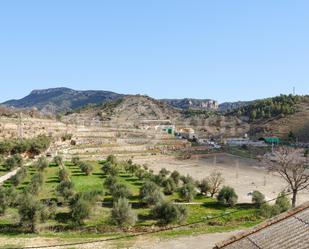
(61, 99)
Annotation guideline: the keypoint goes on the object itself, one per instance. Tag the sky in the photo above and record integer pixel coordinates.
(224, 50)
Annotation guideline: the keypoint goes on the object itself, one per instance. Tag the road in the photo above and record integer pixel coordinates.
(8, 175)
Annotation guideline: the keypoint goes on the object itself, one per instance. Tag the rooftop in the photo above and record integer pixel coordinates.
(289, 230)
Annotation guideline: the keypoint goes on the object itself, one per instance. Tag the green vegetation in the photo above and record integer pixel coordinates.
(65, 199)
(268, 108)
(33, 146)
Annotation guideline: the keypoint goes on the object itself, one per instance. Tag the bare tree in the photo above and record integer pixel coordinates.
(292, 166)
(215, 180)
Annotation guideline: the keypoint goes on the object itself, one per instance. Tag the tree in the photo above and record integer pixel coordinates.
(75, 160)
(19, 176)
(215, 180)
(66, 189)
(291, 165)
(187, 192)
(120, 190)
(168, 213)
(63, 174)
(58, 160)
(175, 176)
(268, 211)
(164, 172)
(187, 179)
(81, 205)
(283, 202)
(110, 182)
(110, 168)
(13, 162)
(227, 196)
(35, 184)
(122, 213)
(30, 211)
(150, 193)
(4, 202)
(203, 186)
(169, 186)
(258, 198)
(86, 168)
(42, 163)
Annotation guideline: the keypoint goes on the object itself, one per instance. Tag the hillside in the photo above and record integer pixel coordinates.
(61, 99)
(187, 103)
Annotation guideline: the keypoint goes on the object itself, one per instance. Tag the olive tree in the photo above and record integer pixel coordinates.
(150, 193)
(227, 196)
(86, 168)
(187, 192)
(122, 213)
(168, 213)
(258, 198)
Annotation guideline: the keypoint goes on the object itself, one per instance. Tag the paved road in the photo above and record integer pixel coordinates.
(8, 175)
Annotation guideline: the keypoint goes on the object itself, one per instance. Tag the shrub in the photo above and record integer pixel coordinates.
(110, 182)
(65, 189)
(19, 176)
(150, 193)
(75, 160)
(13, 162)
(169, 186)
(30, 211)
(203, 186)
(58, 160)
(175, 176)
(267, 211)
(120, 190)
(4, 202)
(187, 180)
(112, 159)
(86, 168)
(168, 213)
(164, 172)
(109, 168)
(35, 184)
(283, 202)
(122, 213)
(258, 198)
(63, 174)
(187, 192)
(42, 163)
(227, 196)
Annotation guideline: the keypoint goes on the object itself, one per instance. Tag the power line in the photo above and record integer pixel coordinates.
(147, 233)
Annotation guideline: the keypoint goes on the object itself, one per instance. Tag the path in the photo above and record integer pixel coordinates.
(8, 175)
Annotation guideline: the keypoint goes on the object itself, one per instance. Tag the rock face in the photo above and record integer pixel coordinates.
(61, 99)
(199, 104)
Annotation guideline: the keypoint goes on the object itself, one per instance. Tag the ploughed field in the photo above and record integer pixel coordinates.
(99, 222)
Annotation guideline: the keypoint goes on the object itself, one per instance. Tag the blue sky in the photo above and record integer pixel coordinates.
(225, 50)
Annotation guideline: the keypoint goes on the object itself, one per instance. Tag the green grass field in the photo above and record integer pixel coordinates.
(204, 210)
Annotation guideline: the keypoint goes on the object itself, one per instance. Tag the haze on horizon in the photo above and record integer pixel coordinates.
(227, 51)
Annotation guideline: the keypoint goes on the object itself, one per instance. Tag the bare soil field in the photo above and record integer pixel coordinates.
(243, 174)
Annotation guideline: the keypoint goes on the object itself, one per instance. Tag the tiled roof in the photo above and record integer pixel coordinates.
(289, 230)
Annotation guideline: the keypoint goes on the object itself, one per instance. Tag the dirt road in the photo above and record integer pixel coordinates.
(8, 175)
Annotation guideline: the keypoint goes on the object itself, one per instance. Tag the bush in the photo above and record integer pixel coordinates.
(120, 190)
(187, 192)
(227, 196)
(75, 160)
(169, 186)
(35, 184)
(267, 211)
(42, 163)
(150, 193)
(63, 174)
(19, 176)
(86, 168)
(13, 162)
(122, 213)
(168, 213)
(4, 202)
(258, 198)
(66, 189)
(58, 160)
(164, 172)
(109, 168)
(110, 182)
(30, 211)
(204, 187)
(176, 177)
(283, 202)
